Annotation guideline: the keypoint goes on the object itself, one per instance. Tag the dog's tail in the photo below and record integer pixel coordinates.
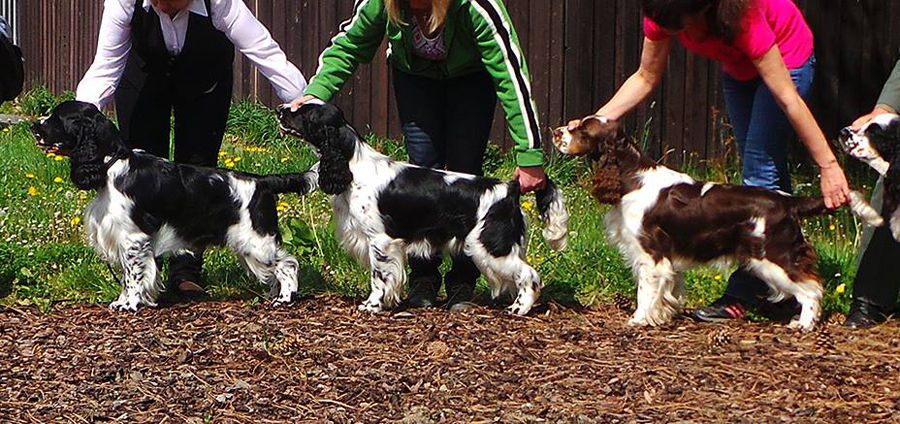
(809, 206)
(552, 206)
(298, 182)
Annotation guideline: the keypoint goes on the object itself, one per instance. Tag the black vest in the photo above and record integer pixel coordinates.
(206, 59)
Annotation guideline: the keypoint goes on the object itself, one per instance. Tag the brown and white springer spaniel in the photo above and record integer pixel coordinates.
(664, 222)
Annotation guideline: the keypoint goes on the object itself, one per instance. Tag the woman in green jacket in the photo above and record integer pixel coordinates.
(451, 60)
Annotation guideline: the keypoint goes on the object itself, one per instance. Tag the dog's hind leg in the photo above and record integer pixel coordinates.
(388, 273)
(808, 292)
(508, 273)
(286, 269)
(140, 279)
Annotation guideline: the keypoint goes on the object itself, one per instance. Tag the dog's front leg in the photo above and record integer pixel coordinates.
(139, 279)
(388, 274)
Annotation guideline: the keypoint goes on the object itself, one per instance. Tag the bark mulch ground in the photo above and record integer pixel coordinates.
(322, 361)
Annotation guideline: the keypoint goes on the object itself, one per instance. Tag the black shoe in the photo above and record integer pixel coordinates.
(422, 293)
(188, 291)
(785, 311)
(727, 308)
(864, 315)
(459, 297)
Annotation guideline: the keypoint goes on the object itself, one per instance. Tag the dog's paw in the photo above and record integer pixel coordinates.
(518, 309)
(125, 305)
(796, 324)
(636, 321)
(371, 307)
(283, 300)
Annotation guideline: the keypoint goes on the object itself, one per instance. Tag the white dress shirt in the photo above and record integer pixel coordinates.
(232, 17)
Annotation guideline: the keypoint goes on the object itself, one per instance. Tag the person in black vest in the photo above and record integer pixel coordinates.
(156, 57)
(12, 73)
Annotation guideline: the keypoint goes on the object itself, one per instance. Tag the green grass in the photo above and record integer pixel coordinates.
(44, 259)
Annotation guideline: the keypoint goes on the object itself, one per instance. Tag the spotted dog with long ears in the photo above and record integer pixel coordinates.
(386, 210)
(147, 206)
(877, 143)
(664, 222)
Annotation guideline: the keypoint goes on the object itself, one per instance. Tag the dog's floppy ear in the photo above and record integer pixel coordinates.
(601, 127)
(607, 178)
(86, 160)
(335, 176)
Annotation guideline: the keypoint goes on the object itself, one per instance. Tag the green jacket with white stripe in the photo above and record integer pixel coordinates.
(479, 36)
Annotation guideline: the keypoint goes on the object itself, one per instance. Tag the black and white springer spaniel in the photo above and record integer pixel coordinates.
(147, 206)
(386, 210)
(877, 144)
(664, 222)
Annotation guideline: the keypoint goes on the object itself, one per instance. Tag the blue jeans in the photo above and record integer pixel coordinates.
(763, 134)
(447, 124)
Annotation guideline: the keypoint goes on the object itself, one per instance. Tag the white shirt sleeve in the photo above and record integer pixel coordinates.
(99, 82)
(251, 38)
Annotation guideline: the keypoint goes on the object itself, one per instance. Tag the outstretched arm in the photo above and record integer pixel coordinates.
(777, 77)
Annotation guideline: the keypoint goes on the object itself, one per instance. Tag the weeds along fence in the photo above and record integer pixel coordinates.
(578, 51)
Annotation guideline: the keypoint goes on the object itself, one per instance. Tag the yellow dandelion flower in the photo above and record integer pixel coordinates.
(59, 189)
(57, 158)
(32, 191)
(83, 194)
(527, 206)
(223, 153)
(76, 220)
(283, 160)
(29, 175)
(280, 208)
(840, 289)
(285, 204)
(252, 149)
(831, 227)
(50, 155)
(717, 277)
(58, 180)
(237, 159)
(5, 129)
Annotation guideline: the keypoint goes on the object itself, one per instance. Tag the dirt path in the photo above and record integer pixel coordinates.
(321, 361)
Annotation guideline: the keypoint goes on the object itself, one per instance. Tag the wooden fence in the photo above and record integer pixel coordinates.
(578, 51)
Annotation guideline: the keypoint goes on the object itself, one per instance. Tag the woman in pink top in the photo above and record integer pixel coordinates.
(766, 51)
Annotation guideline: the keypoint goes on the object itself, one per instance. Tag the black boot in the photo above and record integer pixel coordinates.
(424, 282)
(864, 314)
(461, 284)
(423, 293)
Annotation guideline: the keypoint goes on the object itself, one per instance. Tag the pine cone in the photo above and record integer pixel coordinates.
(719, 338)
(285, 346)
(824, 341)
(622, 302)
(835, 319)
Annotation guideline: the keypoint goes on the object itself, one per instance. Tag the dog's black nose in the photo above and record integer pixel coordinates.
(847, 132)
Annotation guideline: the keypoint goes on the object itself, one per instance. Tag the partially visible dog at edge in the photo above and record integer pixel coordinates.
(386, 210)
(664, 222)
(147, 207)
(877, 144)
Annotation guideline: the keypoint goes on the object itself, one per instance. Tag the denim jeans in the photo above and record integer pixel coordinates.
(447, 124)
(763, 134)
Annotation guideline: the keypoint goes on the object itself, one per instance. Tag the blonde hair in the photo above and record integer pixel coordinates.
(439, 10)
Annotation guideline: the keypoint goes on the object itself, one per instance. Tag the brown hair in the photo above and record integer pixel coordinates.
(606, 135)
(439, 9)
(723, 16)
